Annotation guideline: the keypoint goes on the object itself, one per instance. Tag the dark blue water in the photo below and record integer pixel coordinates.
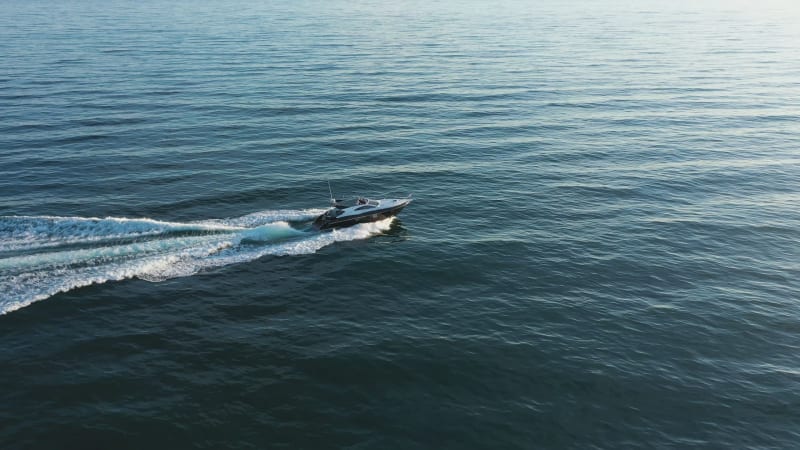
(602, 251)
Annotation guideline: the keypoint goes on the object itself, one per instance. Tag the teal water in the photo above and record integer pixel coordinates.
(602, 251)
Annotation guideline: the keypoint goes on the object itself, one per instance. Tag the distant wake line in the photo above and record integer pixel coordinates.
(41, 256)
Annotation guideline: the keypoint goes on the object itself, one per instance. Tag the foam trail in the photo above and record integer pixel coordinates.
(42, 256)
(27, 233)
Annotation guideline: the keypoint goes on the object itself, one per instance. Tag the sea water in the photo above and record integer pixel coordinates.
(602, 251)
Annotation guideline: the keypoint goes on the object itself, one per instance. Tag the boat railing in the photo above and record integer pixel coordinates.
(374, 197)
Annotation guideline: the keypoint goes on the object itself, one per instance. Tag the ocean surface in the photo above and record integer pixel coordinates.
(602, 251)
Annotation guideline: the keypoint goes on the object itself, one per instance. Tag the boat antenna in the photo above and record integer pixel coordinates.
(333, 200)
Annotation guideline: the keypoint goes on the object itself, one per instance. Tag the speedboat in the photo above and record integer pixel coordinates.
(363, 210)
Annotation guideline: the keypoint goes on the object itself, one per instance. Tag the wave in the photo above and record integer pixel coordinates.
(41, 256)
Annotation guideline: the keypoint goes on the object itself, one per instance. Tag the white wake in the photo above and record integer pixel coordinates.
(41, 256)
